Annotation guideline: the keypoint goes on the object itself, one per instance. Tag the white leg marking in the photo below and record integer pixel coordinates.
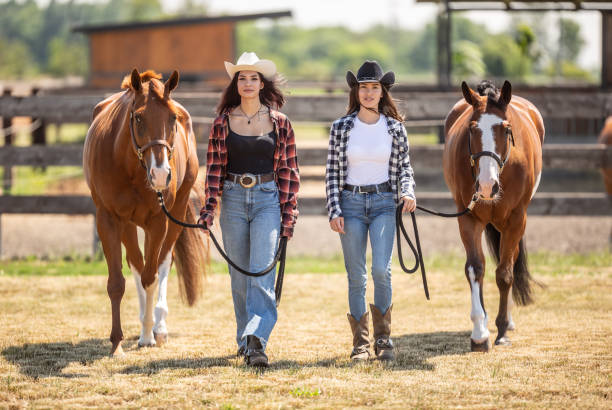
(161, 308)
(146, 335)
(510, 306)
(141, 292)
(537, 184)
(480, 333)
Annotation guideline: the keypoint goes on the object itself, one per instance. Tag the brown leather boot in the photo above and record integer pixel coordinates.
(361, 337)
(383, 346)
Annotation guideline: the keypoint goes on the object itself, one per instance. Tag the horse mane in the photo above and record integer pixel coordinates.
(156, 86)
(487, 88)
(144, 77)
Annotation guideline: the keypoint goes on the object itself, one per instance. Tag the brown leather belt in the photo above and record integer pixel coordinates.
(247, 180)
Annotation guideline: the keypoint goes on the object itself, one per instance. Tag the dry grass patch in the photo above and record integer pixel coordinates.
(54, 346)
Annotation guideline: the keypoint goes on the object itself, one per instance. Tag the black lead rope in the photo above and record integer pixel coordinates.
(280, 256)
(418, 254)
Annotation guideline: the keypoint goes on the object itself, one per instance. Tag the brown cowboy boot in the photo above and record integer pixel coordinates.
(361, 337)
(383, 346)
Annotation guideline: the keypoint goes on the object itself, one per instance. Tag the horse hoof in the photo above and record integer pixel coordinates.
(160, 339)
(480, 347)
(503, 341)
(117, 352)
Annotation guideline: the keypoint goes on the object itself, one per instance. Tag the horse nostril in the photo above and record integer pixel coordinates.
(169, 178)
(495, 189)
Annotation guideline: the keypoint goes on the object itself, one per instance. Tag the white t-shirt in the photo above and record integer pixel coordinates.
(368, 151)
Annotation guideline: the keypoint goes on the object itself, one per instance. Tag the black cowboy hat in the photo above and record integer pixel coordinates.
(370, 72)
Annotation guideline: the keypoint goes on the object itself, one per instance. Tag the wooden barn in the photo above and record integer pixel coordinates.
(196, 47)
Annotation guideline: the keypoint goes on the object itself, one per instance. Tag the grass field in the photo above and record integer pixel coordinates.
(56, 320)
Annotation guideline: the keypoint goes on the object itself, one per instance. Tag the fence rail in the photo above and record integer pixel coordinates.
(416, 105)
(563, 156)
(545, 203)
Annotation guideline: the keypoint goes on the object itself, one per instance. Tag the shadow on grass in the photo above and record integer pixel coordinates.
(38, 360)
(156, 366)
(412, 353)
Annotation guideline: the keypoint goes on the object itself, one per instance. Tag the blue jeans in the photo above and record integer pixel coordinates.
(250, 222)
(374, 214)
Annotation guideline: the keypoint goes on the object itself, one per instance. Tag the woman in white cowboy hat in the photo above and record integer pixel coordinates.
(252, 164)
(368, 174)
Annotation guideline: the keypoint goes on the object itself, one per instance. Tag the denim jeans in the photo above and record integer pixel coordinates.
(372, 213)
(250, 223)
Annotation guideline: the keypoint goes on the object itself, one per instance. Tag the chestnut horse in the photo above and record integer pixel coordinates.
(493, 155)
(605, 137)
(140, 142)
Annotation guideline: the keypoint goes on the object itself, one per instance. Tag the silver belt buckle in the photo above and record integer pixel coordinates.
(359, 190)
(247, 180)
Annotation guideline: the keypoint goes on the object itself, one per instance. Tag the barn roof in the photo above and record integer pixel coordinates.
(523, 5)
(87, 29)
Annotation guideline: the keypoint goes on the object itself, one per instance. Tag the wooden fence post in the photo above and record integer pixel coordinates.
(7, 122)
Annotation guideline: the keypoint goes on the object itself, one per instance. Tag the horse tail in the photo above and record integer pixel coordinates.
(521, 285)
(191, 255)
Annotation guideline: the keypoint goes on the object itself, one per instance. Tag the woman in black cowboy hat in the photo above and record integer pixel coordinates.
(368, 174)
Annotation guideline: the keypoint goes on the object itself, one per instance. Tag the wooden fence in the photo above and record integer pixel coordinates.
(421, 108)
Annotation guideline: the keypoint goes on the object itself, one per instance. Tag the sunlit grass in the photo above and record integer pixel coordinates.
(541, 263)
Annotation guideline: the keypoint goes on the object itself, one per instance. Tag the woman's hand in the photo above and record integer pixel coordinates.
(202, 221)
(409, 204)
(337, 224)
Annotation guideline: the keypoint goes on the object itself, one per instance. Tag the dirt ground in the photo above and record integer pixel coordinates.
(57, 235)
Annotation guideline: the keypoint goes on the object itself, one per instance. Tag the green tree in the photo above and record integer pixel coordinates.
(570, 40)
(467, 61)
(16, 60)
(502, 56)
(67, 58)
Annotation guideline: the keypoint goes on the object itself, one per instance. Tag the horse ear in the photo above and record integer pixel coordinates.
(468, 94)
(506, 93)
(135, 81)
(171, 83)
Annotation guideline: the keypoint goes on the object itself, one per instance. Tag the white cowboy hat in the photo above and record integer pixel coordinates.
(250, 61)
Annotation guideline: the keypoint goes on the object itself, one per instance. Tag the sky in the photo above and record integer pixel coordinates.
(360, 14)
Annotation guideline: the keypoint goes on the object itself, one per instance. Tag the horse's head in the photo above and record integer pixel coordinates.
(153, 122)
(490, 135)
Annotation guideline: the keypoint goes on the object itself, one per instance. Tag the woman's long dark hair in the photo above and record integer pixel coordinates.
(270, 95)
(386, 105)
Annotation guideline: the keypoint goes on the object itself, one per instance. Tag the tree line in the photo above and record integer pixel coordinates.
(37, 40)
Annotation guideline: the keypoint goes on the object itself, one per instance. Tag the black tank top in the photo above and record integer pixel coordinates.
(250, 153)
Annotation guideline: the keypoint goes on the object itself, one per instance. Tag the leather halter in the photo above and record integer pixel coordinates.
(141, 150)
(497, 158)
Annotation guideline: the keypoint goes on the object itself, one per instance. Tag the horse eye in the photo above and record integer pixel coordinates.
(138, 118)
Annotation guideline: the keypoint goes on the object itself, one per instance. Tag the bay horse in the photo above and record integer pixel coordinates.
(140, 142)
(493, 156)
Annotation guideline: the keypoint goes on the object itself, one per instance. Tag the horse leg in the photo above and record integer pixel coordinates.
(109, 232)
(160, 331)
(504, 274)
(471, 236)
(136, 264)
(154, 234)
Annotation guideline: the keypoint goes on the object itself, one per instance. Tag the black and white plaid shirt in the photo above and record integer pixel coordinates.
(400, 170)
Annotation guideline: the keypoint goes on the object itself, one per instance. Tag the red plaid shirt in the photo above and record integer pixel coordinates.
(285, 169)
